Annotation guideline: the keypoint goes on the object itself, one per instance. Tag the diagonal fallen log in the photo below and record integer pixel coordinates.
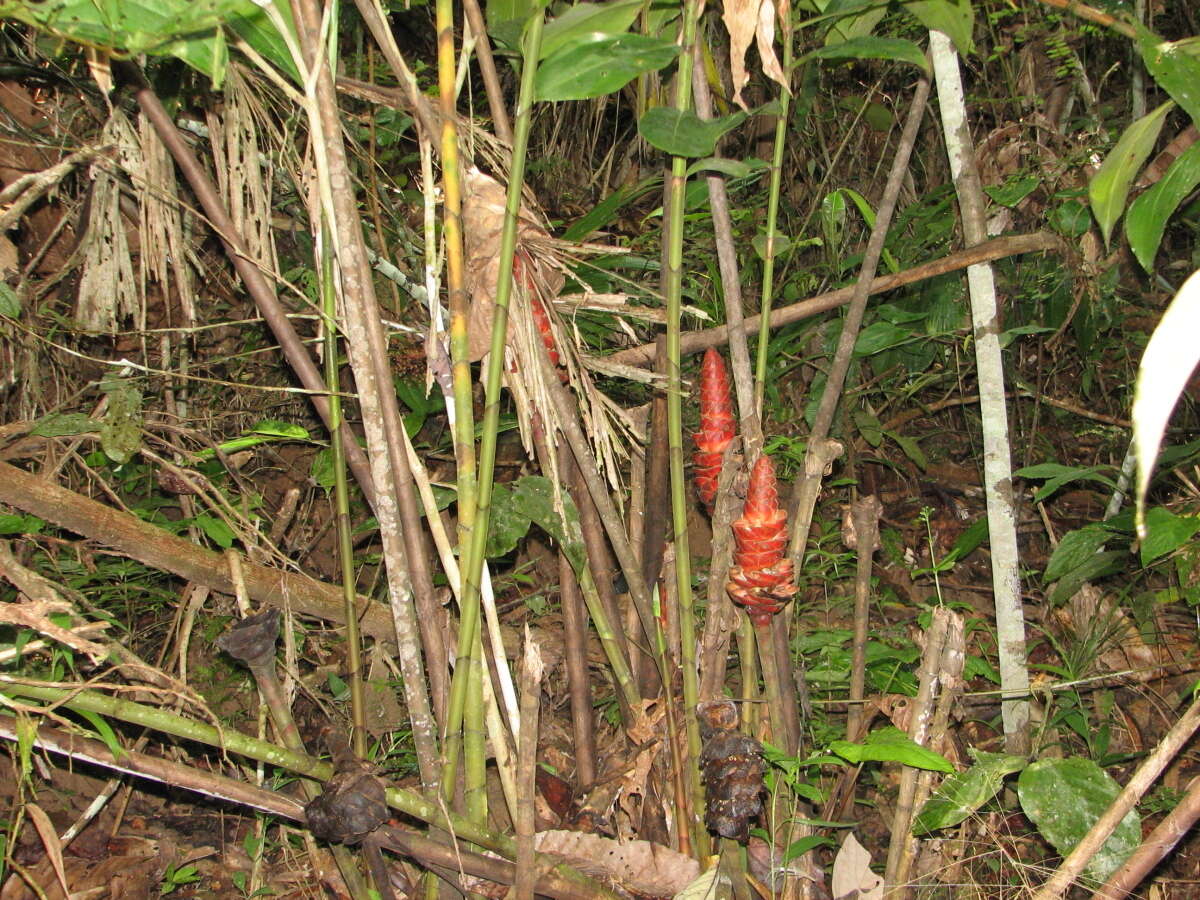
(999, 248)
(129, 536)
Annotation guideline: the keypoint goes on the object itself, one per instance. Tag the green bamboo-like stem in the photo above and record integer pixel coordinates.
(627, 689)
(768, 275)
(683, 568)
(474, 745)
(342, 505)
(231, 741)
(464, 425)
(748, 661)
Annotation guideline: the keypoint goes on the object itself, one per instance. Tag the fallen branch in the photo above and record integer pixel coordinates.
(129, 536)
(999, 248)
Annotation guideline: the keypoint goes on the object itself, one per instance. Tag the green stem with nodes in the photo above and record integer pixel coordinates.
(683, 568)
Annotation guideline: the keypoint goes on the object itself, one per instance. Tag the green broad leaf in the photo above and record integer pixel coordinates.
(1021, 330)
(1175, 65)
(580, 21)
(964, 793)
(1076, 548)
(1056, 475)
(1065, 797)
(278, 429)
(683, 133)
(783, 244)
(796, 849)
(105, 732)
(600, 65)
(972, 538)
(1166, 533)
(879, 336)
(1013, 190)
(1148, 214)
(506, 20)
(1167, 364)
(10, 303)
(891, 745)
(869, 426)
(265, 432)
(535, 496)
(508, 523)
(321, 471)
(186, 29)
(1097, 566)
(255, 27)
(1109, 187)
(732, 168)
(864, 47)
(121, 427)
(337, 686)
(911, 449)
(64, 424)
(216, 530)
(20, 524)
(955, 20)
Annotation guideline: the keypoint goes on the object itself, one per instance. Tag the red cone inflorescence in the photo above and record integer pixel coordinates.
(716, 426)
(761, 578)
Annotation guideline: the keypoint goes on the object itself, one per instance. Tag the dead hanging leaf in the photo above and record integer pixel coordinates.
(637, 865)
(483, 221)
(852, 875)
(747, 20)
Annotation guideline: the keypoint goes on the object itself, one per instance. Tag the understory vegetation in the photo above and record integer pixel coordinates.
(636, 449)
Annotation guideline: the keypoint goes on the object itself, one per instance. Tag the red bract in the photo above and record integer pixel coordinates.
(761, 579)
(523, 275)
(716, 426)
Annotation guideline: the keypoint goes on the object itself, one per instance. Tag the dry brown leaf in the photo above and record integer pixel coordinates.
(748, 20)
(852, 875)
(638, 865)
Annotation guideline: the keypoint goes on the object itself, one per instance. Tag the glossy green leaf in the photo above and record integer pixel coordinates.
(254, 26)
(1167, 364)
(506, 20)
(1076, 548)
(911, 449)
(216, 530)
(20, 524)
(64, 424)
(1175, 65)
(732, 168)
(891, 745)
(1013, 190)
(536, 497)
(1148, 214)
(963, 793)
(880, 336)
(1109, 187)
(600, 65)
(896, 49)
(1056, 475)
(955, 20)
(105, 732)
(683, 133)
(507, 523)
(1065, 797)
(10, 303)
(187, 29)
(121, 427)
(1166, 533)
(580, 21)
